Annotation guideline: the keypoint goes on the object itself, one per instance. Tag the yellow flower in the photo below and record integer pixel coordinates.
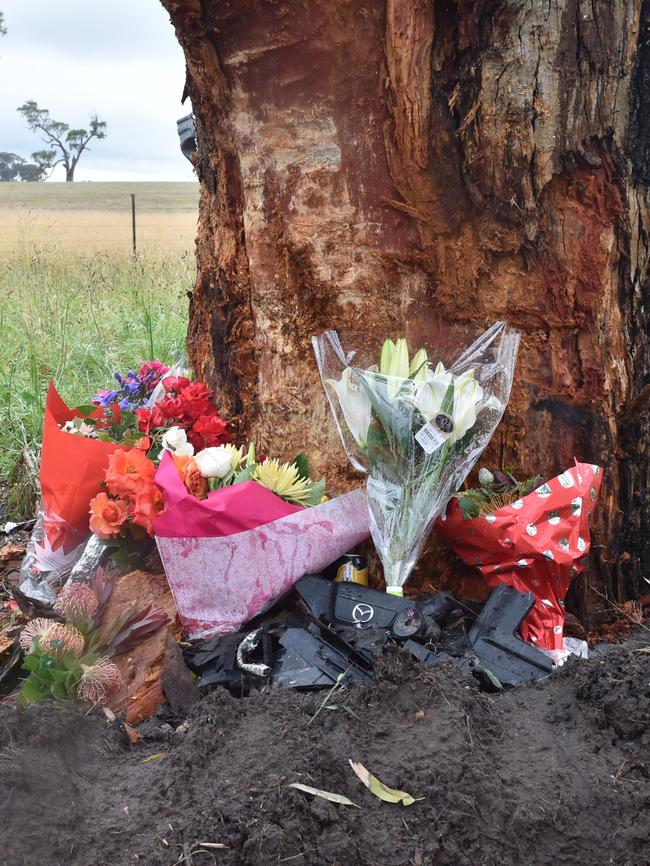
(237, 456)
(283, 479)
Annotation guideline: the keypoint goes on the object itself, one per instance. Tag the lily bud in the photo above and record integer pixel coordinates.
(418, 368)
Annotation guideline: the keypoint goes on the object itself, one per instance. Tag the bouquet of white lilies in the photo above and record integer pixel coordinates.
(416, 429)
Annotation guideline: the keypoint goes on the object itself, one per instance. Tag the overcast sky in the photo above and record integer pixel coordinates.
(118, 58)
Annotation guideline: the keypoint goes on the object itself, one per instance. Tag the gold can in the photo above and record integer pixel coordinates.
(353, 569)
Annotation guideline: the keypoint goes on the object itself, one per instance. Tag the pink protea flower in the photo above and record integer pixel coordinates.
(99, 681)
(34, 628)
(59, 639)
(76, 602)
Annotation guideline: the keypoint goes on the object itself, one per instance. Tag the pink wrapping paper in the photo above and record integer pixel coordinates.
(221, 576)
(225, 512)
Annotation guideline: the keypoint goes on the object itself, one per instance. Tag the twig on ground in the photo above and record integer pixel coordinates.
(621, 610)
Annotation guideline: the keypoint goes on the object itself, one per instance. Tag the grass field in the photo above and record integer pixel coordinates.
(98, 215)
(76, 305)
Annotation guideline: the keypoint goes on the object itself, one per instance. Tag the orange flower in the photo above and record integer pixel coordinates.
(107, 515)
(148, 505)
(195, 483)
(128, 472)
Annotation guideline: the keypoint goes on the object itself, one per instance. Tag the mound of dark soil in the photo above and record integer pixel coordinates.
(555, 773)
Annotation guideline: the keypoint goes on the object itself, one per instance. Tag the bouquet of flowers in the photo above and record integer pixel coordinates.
(237, 531)
(72, 658)
(416, 427)
(77, 444)
(533, 536)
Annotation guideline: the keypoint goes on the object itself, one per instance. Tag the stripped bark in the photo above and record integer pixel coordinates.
(368, 164)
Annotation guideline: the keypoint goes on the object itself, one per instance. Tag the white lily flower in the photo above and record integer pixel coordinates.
(430, 393)
(355, 406)
(467, 395)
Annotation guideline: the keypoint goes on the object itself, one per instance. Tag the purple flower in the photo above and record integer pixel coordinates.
(105, 398)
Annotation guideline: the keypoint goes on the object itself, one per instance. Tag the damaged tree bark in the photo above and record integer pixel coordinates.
(369, 164)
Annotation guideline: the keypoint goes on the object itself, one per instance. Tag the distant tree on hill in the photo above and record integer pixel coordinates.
(3, 29)
(65, 145)
(14, 167)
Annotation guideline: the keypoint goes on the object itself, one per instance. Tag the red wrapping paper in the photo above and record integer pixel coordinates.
(537, 544)
(72, 470)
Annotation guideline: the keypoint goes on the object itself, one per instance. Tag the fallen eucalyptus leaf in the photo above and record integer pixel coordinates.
(383, 792)
(155, 757)
(326, 795)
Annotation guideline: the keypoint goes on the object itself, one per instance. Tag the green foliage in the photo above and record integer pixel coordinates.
(14, 167)
(301, 462)
(124, 430)
(65, 145)
(496, 490)
(77, 319)
(52, 678)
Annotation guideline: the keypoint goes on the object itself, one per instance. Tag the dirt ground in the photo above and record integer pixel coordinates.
(555, 773)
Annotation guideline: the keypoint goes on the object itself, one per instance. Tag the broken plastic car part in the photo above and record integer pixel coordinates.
(495, 638)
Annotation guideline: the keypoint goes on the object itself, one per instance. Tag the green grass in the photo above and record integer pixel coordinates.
(78, 319)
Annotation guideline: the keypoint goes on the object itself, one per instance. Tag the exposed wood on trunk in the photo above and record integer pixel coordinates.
(371, 164)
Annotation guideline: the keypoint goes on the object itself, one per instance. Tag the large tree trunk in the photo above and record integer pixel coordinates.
(369, 164)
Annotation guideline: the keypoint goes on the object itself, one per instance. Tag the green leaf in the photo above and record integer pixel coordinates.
(302, 465)
(377, 444)
(58, 691)
(31, 691)
(86, 410)
(30, 662)
(492, 678)
(396, 424)
(448, 401)
(245, 474)
(120, 557)
(325, 795)
(317, 492)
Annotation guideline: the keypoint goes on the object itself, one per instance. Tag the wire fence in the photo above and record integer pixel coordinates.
(134, 226)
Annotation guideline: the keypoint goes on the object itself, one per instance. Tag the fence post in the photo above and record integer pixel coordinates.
(133, 222)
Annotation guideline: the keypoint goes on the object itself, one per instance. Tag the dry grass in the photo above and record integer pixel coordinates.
(94, 216)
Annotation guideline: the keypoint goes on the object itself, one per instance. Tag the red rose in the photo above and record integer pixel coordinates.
(207, 431)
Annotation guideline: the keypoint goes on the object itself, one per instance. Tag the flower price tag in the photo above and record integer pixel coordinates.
(434, 434)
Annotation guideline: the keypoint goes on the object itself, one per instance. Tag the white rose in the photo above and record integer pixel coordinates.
(175, 440)
(214, 462)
